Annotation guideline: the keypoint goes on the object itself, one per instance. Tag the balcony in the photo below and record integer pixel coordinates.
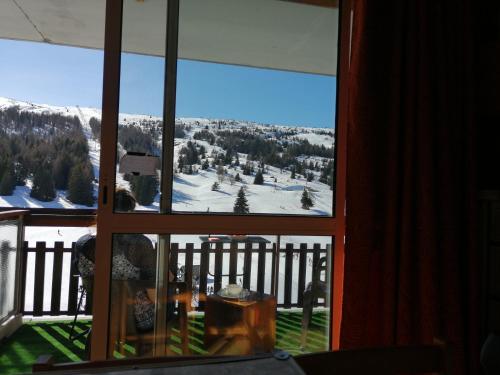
(49, 294)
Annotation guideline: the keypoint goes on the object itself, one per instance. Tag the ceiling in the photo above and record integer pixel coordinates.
(259, 33)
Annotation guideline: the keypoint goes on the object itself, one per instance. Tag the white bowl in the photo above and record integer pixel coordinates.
(234, 289)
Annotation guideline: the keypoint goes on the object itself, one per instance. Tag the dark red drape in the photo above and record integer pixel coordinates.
(411, 260)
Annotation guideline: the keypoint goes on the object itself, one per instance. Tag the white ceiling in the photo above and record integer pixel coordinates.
(260, 33)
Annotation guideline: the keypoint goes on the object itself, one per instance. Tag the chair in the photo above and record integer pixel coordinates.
(83, 257)
(124, 331)
(317, 288)
(379, 361)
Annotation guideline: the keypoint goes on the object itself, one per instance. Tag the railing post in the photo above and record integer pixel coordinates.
(22, 283)
(276, 267)
(233, 262)
(302, 274)
(188, 266)
(20, 268)
(247, 265)
(316, 257)
(288, 275)
(218, 267)
(55, 303)
(174, 257)
(261, 268)
(73, 288)
(205, 257)
(39, 279)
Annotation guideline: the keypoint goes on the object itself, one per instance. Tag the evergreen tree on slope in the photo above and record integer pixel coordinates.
(144, 188)
(241, 203)
(259, 178)
(7, 182)
(43, 185)
(306, 200)
(80, 189)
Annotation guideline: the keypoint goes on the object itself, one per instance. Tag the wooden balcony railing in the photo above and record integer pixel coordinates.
(197, 276)
(282, 270)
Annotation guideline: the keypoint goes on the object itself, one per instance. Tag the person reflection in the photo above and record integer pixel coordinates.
(133, 275)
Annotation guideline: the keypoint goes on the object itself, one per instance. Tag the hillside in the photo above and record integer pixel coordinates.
(228, 153)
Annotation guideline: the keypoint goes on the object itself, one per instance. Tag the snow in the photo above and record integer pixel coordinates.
(21, 198)
(192, 193)
(316, 139)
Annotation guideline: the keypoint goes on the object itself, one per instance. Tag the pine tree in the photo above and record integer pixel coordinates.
(220, 173)
(20, 172)
(80, 189)
(247, 169)
(43, 185)
(203, 152)
(95, 126)
(215, 186)
(61, 170)
(144, 188)
(180, 164)
(7, 182)
(259, 178)
(241, 203)
(293, 173)
(306, 200)
(205, 165)
(237, 178)
(228, 158)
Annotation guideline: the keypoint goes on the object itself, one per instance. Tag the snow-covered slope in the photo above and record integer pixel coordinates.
(192, 192)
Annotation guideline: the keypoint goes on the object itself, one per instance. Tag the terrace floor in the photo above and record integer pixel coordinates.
(18, 352)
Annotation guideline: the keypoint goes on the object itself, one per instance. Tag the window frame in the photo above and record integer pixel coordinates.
(167, 222)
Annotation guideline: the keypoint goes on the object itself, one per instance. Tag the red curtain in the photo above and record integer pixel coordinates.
(411, 258)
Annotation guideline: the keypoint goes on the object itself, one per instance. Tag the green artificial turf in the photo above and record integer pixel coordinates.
(20, 351)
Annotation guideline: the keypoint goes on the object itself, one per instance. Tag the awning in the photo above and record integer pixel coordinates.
(260, 33)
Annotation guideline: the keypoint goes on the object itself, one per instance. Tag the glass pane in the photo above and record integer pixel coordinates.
(50, 101)
(8, 260)
(306, 260)
(141, 102)
(250, 294)
(221, 295)
(256, 92)
(66, 287)
(133, 303)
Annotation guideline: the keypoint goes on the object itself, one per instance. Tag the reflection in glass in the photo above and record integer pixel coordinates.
(252, 294)
(226, 295)
(133, 296)
(8, 259)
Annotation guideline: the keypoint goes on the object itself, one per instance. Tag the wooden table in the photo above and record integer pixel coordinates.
(244, 326)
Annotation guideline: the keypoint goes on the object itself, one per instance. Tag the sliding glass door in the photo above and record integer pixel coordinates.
(216, 221)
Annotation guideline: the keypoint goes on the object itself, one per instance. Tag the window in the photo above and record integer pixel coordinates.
(49, 115)
(286, 46)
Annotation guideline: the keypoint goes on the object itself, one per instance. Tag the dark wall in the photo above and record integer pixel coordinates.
(487, 91)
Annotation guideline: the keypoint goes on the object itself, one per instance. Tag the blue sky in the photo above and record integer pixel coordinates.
(58, 75)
